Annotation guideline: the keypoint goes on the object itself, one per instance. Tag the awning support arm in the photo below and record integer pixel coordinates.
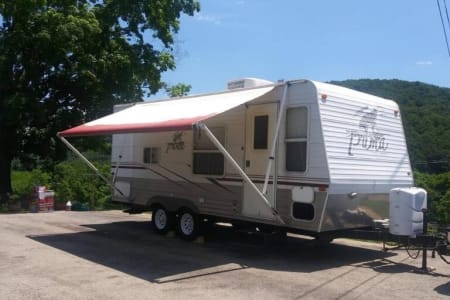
(247, 179)
(275, 139)
(88, 163)
(116, 170)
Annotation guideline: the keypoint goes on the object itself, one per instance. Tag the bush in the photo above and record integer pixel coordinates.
(77, 183)
(71, 180)
(24, 184)
(438, 188)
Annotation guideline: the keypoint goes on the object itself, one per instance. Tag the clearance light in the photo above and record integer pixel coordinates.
(322, 188)
(324, 97)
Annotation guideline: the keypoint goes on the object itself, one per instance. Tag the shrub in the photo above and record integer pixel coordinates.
(24, 184)
(438, 188)
(77, 183)
(71, 180)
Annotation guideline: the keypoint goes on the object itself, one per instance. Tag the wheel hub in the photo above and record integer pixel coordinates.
(187, 224)
(160, 219)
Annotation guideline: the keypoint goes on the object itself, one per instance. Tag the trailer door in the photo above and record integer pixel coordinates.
(259, 132)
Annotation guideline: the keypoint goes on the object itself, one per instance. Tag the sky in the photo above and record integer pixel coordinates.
(320, 40)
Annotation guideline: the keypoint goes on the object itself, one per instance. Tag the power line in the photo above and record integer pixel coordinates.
(443, 24)
(446, 13)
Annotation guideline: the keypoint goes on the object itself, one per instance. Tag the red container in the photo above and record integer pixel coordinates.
(41, 198)
(49, 200)
(46, 199)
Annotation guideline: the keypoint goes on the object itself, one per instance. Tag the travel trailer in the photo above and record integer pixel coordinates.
(296, 155)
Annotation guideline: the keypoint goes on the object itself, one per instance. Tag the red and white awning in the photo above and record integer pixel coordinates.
(168, 115)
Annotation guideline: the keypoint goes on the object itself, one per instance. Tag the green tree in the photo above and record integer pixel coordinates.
(63, 62)
(178, 90)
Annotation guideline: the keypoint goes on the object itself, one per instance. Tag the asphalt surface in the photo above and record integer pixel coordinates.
(112, 255)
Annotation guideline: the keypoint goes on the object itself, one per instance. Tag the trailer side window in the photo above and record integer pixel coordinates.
(151, 155)
(296, 138)
(207, 159)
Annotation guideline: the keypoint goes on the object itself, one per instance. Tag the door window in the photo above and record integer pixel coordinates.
(260, 132)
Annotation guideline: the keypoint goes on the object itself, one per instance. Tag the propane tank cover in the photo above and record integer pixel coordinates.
(405, 210)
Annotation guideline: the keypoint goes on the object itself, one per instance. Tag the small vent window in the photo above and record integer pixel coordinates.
(151, 155)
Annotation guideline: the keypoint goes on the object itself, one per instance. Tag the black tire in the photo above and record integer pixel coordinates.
(162, 220)
(323, 240)
(188, 224)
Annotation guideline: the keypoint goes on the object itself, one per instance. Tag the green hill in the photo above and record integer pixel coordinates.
(425, 111)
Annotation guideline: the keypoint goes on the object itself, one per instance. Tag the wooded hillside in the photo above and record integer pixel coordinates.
(425, 111)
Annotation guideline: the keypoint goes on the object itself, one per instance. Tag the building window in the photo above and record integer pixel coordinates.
(151, 155)
(207, 159)
(260, 132)
(296, 138)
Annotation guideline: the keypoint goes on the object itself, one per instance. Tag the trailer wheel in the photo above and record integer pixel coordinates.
(323, 240)
(187, 224)
(161, 220)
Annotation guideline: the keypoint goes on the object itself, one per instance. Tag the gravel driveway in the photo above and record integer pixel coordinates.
(112, 255)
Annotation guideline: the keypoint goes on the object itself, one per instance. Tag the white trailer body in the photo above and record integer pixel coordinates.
(300, 155)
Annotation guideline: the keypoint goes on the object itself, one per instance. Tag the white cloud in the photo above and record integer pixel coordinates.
(424, 63)
(208, 18)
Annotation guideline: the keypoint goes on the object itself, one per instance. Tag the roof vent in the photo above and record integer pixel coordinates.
(247, 83)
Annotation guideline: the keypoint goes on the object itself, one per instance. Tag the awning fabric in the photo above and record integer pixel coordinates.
(168, 115)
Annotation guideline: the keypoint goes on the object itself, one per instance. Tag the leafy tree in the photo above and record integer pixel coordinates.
(63, 62)
(178, 90)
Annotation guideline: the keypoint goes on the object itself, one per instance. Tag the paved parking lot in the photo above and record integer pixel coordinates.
(112, 255)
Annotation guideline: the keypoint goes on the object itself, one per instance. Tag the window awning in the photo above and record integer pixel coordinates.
(167, 115)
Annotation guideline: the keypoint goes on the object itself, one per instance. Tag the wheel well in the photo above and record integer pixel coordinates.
(172, 204)
(155, 205)
(185, 208)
